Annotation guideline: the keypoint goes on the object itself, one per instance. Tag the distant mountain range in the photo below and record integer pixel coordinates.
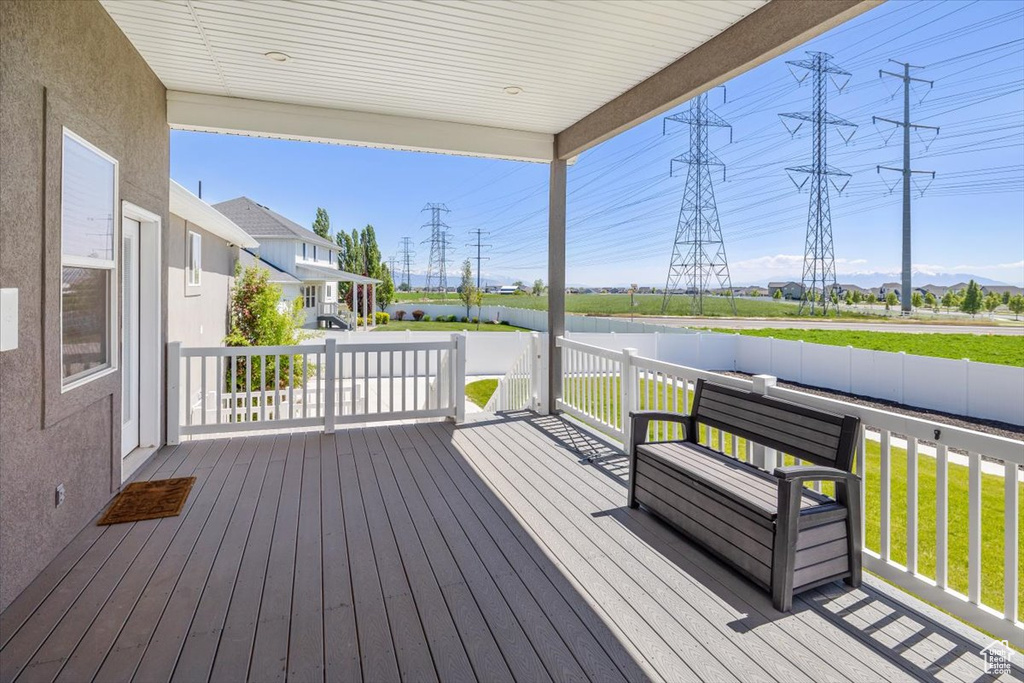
(876, 279)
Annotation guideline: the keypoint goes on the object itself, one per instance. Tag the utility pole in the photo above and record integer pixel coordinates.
(407, 254)
(479, 247)
(906, 292)
(437, 266)
(819, 273)
(698, 252)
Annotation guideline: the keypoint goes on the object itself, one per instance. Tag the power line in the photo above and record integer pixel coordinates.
(905, 171)
(479, 249)
(437, 266)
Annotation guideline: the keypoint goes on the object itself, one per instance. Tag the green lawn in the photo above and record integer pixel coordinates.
(618, 304)
(994, 348)
(434, 326)
(479, 392)
(992, 575)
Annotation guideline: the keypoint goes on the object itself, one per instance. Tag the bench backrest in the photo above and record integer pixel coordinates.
(816, 436)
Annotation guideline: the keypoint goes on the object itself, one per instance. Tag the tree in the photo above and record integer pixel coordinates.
(1016, 305)
(891, 300)
(256, 318)
(777, 295)
(930, 300)
(478, 301)
(857, 297)
(538, 287)
(972, 301)
(848, 299)
(358, 253)
(948, 299)
(992, 302)
(322, 223)
(916, 300)
(1006, 297)
(872, 299)
(834, 298)
(467, 289)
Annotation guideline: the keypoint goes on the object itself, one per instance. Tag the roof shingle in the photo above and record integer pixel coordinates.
(259, 221)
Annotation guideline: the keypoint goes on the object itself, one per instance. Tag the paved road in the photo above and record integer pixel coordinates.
(865, 325)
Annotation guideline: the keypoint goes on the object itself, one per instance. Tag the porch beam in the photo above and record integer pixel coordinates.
(556, 277)
(773, 29)
(262, 118)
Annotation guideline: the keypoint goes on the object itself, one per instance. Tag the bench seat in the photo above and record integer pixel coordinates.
(783, 536)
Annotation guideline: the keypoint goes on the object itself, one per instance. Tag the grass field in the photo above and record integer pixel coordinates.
(1000, 349)
(479, 392)
(434, 326)
(992, 575)
(618, 304)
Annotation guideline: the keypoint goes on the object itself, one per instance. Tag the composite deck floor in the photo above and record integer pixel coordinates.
(494, 551)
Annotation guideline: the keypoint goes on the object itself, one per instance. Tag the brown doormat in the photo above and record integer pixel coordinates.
(149, 500)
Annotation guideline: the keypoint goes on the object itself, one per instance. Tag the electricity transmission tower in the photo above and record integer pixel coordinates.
(698, 253)
(819, 273)
(437, 266)
(478, 233)
(906, 171)
(407, 254)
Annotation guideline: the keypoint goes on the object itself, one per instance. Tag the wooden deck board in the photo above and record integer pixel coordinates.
(490, 551)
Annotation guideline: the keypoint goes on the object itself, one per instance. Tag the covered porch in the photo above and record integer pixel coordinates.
(500, 549)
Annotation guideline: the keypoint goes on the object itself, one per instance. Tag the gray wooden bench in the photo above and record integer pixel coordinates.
(770, 527)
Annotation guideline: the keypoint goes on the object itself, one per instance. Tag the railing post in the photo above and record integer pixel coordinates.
(627, 396)
(537, 384)
(330, 383)
(459, 390)
(760, 455)
(173, 393)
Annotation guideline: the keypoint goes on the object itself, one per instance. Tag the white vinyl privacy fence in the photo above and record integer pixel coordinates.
(219, 390)
(600, 386)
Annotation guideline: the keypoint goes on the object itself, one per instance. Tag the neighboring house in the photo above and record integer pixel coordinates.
(938, 291)
(507, 289)
(301, 253)
(884, 290)
(291, 286)
(790, 290)
(1001, 289)
(841, 290)
(204, 247)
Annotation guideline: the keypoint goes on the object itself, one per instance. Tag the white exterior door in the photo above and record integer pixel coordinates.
(130, 336)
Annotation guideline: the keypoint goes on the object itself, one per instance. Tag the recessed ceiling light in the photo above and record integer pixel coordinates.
(277, 57)
(513, 90)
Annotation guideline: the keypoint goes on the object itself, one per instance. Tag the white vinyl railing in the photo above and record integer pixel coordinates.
(219, 390)
(520, 387)
(600, 387)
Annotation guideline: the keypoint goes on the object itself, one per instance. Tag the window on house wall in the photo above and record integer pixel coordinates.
(193, 259)
(314, 252)
(328, 292)
(304, 245)
(88, 261)
(309, 296)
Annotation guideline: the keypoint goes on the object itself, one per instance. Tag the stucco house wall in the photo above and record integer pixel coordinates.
(61, 64)
(198, 315)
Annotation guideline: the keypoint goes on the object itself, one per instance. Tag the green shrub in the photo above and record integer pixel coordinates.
(383, 318)
(399, 315)
(505, 322)
(465, 319)
(425, 318)
(360, 321)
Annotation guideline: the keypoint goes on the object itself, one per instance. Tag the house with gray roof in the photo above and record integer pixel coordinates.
(312, 261)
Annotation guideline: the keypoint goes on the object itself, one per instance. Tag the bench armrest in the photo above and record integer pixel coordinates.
(641, 419)
(803, 473)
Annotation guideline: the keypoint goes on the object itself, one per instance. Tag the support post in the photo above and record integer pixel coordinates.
(330, 383)
(556, 276)
(760, 456)
(627, 396)
(459, 379)
(373, 304)
(366, 309)
(174, 393)
(540, 404)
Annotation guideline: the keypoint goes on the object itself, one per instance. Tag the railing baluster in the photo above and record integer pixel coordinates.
(366, 382)
(188, 390)
(941, 515)
(220, 387)
(884, 495)
(263, 388)
(355, 383)
(391, 380)
(974, 527)
(404, 379)
(277, 388)
(1011, 560)
(305, 386)
(379, 373)
(415, 380)
(248, 385)
(291, 386)
(911, 504)
(862, 472)
(234, 388)
(202, 397)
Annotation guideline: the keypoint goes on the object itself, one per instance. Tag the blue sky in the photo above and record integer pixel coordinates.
(623, 206)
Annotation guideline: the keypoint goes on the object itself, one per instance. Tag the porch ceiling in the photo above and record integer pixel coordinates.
(432, 75)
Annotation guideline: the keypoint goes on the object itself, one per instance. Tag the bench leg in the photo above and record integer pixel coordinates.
(631, 491)
(784, 548)
(848, 494)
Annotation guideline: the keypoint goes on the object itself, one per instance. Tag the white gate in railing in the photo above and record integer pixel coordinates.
(521, 387)
(601, 386)
(215, 390)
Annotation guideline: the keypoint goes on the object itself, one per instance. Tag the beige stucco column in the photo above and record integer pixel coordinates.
(556, 277)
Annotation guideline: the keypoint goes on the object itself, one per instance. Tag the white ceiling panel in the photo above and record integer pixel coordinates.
(441, 60)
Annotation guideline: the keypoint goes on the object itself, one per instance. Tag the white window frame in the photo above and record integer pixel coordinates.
(308, 293)
(314, 252)
(328, 292)
(304, 251)
(112, 266)
(193, 271)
